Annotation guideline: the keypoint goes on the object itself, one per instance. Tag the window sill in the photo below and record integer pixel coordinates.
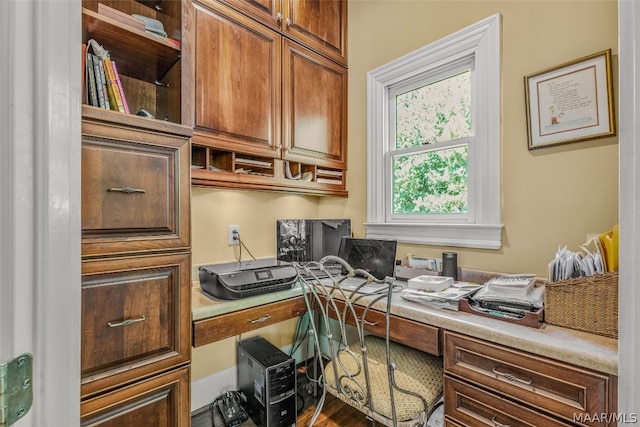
(481, 236)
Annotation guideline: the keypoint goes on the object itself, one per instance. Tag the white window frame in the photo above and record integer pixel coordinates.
(442, 73)
(482, 228)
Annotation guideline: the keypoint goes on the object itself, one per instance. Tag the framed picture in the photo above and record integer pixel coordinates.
(571, 102)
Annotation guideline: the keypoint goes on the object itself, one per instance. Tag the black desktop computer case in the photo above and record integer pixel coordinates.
(267, 379)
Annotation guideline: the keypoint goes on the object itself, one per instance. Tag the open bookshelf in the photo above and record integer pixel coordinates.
(148, 65)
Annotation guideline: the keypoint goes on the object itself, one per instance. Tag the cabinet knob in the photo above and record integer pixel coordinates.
(287, 22)
(279, 17)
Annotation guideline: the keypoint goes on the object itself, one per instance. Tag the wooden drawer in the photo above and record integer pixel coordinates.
(551, 386)
(471, 406)
(161, 401)
(228, 325)
(404, 331)
(135, 318)
(135, 191)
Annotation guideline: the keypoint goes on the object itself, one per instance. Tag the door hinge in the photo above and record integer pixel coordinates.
(16, 389)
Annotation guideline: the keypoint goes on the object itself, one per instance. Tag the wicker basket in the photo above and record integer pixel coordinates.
(587, 304)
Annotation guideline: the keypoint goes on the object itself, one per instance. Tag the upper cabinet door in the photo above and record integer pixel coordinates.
(237, 82)
(319, 24)
(314, 107)
(267, 11)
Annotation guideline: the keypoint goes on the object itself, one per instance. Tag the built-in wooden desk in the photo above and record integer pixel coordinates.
(215, 320)
(490, 365)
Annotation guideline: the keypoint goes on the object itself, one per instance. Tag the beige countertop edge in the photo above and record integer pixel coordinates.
(566, 345)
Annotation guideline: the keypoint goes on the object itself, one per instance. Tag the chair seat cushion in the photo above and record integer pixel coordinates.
(416, 371)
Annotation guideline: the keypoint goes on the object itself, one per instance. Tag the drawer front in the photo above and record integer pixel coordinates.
(134, 196)
(135, 318)
(228, 325)
(404, 331)
(552, 386)
(161, 401)
(471, 406)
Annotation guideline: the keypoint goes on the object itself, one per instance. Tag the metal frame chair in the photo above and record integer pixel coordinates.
(392, 384)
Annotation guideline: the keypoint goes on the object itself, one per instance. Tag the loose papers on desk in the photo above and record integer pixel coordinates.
(448, 298)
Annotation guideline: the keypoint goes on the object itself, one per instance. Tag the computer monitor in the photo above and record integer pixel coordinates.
(375, 256)
(304, 240)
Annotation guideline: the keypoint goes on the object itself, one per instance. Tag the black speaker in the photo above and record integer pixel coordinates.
(267, 379)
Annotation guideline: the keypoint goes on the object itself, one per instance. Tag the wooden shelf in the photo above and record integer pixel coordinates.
(138, 54)
(213, 167)
(98, 114)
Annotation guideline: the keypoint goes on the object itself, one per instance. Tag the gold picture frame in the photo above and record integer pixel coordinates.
(571, 102)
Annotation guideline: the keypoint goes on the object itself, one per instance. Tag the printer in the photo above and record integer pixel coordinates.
(240, 280)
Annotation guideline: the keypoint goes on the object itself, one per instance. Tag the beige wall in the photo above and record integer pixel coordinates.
(212, 211)
(551, 196)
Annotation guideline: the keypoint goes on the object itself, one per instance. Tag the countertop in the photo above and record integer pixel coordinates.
(566, 345)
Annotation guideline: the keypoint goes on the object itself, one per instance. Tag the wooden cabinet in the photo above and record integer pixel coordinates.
(259, 119)
(314, 122)
(135, 318)
(321, 25)
(135, 184)
(136, 238)
(487, 384)
(160, 401)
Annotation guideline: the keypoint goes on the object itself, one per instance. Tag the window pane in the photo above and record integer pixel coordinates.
(432, 182)
(440, 111)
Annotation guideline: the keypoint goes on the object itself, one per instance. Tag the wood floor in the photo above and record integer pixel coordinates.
(335, 413)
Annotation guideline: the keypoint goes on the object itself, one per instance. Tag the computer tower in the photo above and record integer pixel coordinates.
(267, 379)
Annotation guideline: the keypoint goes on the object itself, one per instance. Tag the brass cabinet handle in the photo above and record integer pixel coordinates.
(127, 322)
(497, 424)
(127, 190)
(511, 377)
(261, 319)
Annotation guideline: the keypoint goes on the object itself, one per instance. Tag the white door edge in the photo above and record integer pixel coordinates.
(40, 201)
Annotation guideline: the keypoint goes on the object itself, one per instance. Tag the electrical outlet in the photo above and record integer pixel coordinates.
(234, 239)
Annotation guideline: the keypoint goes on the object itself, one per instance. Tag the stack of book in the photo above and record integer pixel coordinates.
(103, 87)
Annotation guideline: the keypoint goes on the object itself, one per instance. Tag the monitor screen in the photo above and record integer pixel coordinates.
(377, 257)
(304, 240)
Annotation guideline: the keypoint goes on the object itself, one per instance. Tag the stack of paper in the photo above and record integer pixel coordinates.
(430, 283)
(512, 284)
(448, 298)
(600, 256)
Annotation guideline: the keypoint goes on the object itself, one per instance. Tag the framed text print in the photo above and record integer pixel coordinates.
(571, 102)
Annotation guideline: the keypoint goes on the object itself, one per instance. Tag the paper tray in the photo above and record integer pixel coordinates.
(532, 319)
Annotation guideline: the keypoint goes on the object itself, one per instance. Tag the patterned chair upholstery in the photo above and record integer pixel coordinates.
(391, 383)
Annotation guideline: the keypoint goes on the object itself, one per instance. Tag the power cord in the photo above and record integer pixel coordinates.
(236, 236)
(230, 409)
